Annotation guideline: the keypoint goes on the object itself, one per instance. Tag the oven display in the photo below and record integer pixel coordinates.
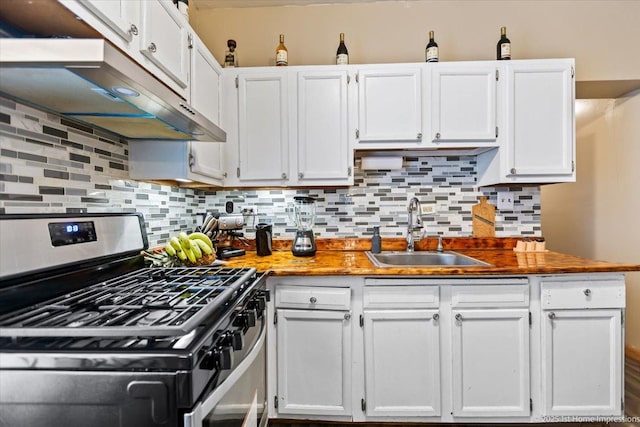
(70, 233)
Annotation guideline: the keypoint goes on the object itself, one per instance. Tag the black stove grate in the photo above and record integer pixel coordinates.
(147, 302)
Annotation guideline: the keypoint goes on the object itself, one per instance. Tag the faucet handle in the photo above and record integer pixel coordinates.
(440, 248)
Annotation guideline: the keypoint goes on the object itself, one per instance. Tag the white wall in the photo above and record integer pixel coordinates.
(599, 215)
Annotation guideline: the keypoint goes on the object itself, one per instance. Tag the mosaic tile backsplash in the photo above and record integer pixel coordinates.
(48, 164)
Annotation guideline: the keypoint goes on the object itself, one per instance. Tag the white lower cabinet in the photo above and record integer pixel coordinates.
(582, 347)
(401, 336)
(448, 350)
(490, 363)
(313, 353)
(402, 363)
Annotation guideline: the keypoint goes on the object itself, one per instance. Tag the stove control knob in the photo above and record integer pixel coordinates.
(234, 339)
(247, 318)
(225, 357)
(258, 304)
(266, 293)
(208, 361)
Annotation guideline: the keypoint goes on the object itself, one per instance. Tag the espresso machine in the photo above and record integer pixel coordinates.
(303, 213)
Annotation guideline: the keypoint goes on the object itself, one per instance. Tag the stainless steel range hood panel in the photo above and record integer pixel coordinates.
(77, 78)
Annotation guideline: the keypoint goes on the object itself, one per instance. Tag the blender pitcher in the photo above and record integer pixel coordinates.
(303, 213)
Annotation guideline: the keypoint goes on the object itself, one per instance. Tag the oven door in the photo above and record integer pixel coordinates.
(241, 398)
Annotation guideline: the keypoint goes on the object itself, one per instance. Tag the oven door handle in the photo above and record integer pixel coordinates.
(194, 418)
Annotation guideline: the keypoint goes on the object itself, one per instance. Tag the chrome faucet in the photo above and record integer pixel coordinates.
(415, 230)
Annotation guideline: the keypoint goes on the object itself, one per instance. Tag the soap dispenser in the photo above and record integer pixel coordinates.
(376, 241)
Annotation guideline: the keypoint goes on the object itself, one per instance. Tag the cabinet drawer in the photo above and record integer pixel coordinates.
(318, 298)
(490, 296)
(401, 296)
(583, 294)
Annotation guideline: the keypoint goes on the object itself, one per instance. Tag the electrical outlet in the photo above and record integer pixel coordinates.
(250, 210)
(505, 200)
(429, 209)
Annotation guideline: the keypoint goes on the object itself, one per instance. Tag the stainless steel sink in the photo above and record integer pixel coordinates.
(423, 259)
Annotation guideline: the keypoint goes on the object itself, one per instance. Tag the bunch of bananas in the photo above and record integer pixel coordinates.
(184, 250)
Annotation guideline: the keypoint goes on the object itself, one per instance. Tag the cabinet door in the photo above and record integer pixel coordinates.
(323, 141)
(205, 81)
(540, 99)
(206, 158)
(582, 362)
(490, 363)
(314, 362)
(402, 363)
(165, 39)
(390, 104)
(117, 14)
(262, 125)
(463, 103)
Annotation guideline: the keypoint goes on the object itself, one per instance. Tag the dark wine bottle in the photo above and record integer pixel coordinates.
(231, 55)
(342, 55)
(431, 51)
(503, 50)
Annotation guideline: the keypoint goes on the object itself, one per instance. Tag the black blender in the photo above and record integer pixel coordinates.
(303, 213)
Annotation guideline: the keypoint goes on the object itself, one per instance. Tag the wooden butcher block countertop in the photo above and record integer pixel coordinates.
(347, 257)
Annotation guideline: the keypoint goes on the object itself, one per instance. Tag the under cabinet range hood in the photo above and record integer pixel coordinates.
(92, 82)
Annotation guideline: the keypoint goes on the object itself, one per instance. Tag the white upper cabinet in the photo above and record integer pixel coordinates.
(205, 81)
(206, 158)
(122, 16)
(463, 103)
(165, 39)
(292, 124)
(540, 101)
(390, 106)
(324, 155)
(152, 32)
(263, 134)
(537, 141)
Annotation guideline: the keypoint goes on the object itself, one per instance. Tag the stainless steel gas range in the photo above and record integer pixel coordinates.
(91, 337)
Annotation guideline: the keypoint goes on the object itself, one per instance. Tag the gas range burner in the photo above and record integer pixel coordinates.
(148, 302)
(157, 316)
(76, 320)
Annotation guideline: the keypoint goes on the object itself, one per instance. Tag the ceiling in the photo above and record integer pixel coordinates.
(213, 4)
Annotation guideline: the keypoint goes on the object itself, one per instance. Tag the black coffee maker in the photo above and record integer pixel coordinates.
(303, 213)
(263, 239)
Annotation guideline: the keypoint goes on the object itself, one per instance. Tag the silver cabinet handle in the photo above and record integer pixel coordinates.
(313, 300)
(513, 171)
(300, 175)
(133, 30)
(587, 292)
(459, 317)
(419, 135)
(284, 175)
(347, 316)
(438, 135)
(436, 316)
(552, 315)
(152, 48)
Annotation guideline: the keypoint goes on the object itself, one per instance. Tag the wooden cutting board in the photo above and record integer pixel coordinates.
(484, 219)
